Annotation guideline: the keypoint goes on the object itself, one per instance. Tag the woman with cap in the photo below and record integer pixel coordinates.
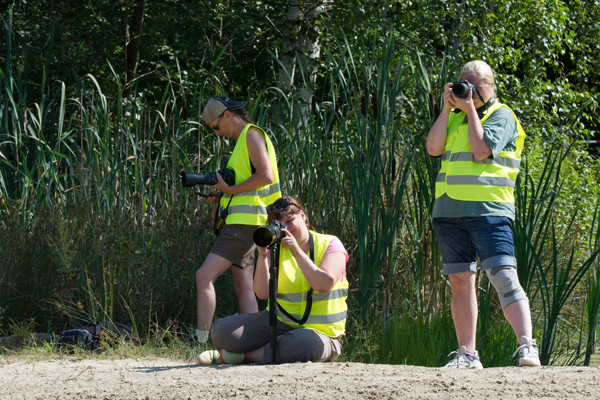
(311, 299)
(256, 186)
(480, 141)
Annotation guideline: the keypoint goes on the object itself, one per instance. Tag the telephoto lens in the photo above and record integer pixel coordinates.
(189, 179)
(267, 235)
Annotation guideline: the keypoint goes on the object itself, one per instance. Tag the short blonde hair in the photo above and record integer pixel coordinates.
(481, 69)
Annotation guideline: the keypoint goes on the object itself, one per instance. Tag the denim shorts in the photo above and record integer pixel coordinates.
(464, 239)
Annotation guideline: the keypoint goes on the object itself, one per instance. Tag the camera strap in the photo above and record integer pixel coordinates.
(481, 111)
(227, 208)
(311, 251)
(220, 216)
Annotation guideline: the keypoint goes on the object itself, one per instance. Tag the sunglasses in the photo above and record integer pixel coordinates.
(216, 127)
(281, 204)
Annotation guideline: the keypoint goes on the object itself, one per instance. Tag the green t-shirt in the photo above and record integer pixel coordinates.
(500, 133)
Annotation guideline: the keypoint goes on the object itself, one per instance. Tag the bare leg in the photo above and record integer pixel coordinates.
(519, 317)
(213, 266)
(242, 284)
(464, 308)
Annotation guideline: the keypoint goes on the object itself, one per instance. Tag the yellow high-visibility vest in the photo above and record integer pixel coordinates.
(328, 311)
(250, 207)
(464, 177)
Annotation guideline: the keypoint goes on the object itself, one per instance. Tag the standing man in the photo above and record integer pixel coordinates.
(480, 141)
(256, 186)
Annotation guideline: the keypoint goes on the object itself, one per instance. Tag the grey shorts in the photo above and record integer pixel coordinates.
(236, 243)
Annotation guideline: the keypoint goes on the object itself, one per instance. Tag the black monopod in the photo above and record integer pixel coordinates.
(270, 236)
(273, 274)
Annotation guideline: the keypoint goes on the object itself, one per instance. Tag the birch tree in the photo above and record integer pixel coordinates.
(301, 45)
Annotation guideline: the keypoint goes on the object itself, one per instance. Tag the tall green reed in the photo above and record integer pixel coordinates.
(592, 306)
(422, 287)
(557, 284)
(310, 166)
(550, 268)
(96, 178)
(120, 234)
(534, 204)
(416, 340)
(35, 145)
(378, 158)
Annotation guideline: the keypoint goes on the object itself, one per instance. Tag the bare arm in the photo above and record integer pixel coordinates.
(257, 150)
(436, 138)
(323, 277)
(478, 145)
(261, 274)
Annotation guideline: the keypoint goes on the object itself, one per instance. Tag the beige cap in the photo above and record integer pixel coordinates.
(217, 106)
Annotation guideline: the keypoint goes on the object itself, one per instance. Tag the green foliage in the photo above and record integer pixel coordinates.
(408, 340)
(183, 35)
(95, 224)
(592, 306)
(86, 267)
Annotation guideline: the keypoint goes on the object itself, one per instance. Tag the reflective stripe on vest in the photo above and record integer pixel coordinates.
(329, 310)
(250, 207)
(464, 177)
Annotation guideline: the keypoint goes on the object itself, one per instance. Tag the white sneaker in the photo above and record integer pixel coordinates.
(220, 357)
(464, 359)
(528, 353)
(228, 357)
(210, 357)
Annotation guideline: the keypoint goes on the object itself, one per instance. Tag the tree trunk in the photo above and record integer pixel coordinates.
(132, 39)
(301, 42)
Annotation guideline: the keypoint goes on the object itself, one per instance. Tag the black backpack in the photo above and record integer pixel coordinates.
(80, 337)
(88, 336)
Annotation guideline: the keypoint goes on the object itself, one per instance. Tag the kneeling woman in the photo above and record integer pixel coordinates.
(312, 266)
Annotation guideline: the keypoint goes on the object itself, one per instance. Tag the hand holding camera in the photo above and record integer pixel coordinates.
(266, 236)
(222, 186)
(211, 197)
(461, 89)
(460, 94)
(218, 180)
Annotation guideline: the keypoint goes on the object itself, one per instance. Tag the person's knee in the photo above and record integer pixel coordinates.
(228, 332)
(202, 277)
(303, 345)
(217, 334)
(288, 352)
(462, 282)
(506, 282)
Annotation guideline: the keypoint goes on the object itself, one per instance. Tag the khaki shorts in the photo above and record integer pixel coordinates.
(236, 243)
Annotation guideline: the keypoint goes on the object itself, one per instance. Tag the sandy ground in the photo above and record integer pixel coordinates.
(168, 379)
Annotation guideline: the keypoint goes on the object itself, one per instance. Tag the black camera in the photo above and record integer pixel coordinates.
(189, 179)
(461, 89)
(267, 235)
